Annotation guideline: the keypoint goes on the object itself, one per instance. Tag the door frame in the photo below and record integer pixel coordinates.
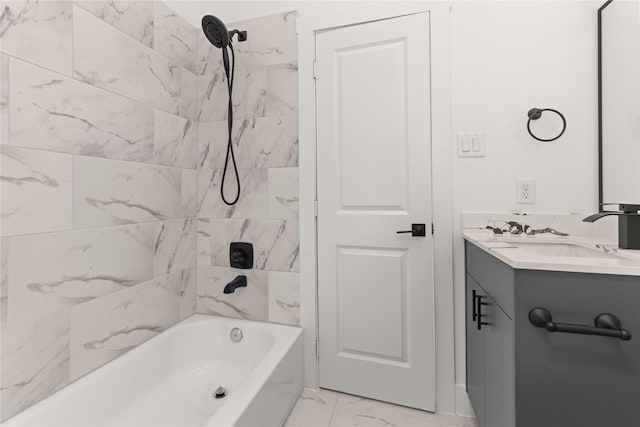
(449, 397)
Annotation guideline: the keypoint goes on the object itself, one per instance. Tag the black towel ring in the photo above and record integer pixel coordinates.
(536, 113)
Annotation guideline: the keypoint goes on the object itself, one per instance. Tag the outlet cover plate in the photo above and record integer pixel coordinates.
(525, 191)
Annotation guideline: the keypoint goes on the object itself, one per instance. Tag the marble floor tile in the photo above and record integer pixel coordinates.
(40, 32)
(134, 17)
(313, 409)
(332, 409)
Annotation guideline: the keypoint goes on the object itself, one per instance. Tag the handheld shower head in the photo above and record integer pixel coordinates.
(215, 31)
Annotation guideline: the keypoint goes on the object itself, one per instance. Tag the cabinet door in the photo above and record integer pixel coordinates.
(499, 375)
(570, 380)
(475, 352)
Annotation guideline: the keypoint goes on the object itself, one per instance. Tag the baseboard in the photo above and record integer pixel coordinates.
(463, 405)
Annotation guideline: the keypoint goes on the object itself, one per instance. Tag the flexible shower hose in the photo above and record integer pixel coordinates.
(230, 75)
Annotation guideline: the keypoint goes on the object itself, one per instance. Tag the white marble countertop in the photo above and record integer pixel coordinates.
(504, 247)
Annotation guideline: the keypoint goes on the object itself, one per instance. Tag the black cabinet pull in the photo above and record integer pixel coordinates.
(606, 325)
(473, 310)
(479, 315)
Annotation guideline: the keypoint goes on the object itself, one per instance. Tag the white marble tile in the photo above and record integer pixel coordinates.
(107, 58)
(212, 140)
(4, 99)
(204, 241)
(107, 327)
(213, 97)
(188, 293)
(175, 38)
(209, 59)
(249, 93)
(247, 303)
(275, 242)
(38, 32)
(4, 281)
(175, 140)
(253, 195)
(358, 411)
(284, 297)
(134, 18)
(175, 246)
(189, 95)
(270, 40)
(57, 113)
(36, 191)
(76, 266)
(283, 193)
(314, 408)
(282, 89)
(35, 361)
(268, 142)
(189, 193)
(110, 192)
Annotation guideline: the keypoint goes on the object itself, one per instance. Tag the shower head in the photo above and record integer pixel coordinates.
(215, 31)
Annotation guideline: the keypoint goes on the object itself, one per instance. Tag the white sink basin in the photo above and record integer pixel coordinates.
(560, 249)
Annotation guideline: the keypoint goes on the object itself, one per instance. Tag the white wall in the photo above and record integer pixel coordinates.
(493, 61)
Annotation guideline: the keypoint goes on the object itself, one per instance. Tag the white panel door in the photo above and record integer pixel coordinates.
(375, 287)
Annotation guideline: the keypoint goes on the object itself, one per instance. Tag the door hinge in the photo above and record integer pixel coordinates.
(317, 348)
(315, 69)
(432, 228)
(315, 208)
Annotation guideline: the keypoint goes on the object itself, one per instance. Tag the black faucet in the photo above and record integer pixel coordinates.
(628, 225)
(238, 282)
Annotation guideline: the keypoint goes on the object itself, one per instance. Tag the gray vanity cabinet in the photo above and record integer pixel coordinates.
(520, 375)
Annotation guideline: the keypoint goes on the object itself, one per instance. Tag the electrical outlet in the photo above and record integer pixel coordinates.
(525, 191)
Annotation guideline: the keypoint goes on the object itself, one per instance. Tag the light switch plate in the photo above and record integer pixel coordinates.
(471, 144)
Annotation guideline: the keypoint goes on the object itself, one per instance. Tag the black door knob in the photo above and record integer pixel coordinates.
(417, 230)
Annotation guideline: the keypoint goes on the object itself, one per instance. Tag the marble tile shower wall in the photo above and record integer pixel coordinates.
(98, 186)
(265, 138)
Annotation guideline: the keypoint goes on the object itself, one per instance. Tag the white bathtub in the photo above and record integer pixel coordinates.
(170, 380)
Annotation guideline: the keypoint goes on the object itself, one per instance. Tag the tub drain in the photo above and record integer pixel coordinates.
(220, 393)
(236, 335)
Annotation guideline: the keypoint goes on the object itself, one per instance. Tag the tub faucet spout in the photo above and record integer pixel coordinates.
(238, 282)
